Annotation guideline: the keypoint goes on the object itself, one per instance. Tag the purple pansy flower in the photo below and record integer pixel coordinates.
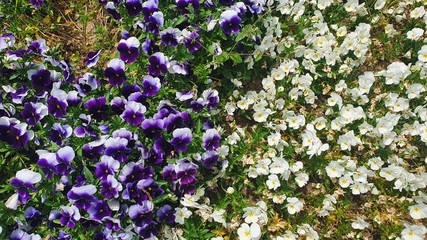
(191, 41)
(115, 72)
(98, 210)
(40, 79)
(184, 96)
(166, 213)
(86, 84)
(169, 173)
(158, 64)
(19, 234)
(92, 58)
(39, 46)
(152, 128)
(86, 128)
(73, 98)
(58, 133)
(98, 108)
(111, 187)
(150, 85)
(111, 9)
(117, 148)
(134, 193)
(57, 107)
(138, 212)
(134, 7)
(230, 22)
(24, 180)
(33, 216)
(185, 172)
(226, 2)
(82, 196)
(181, 138)
(198, 105)
(129, 49)
(183, 4)
(112, 224)
(133, 172)
(149, 7)
(47, 162)
(134, 113)
(7, 40)
(210, 159)
(211, 97)
(211, 139)
(170, 36)
(69, 216)
(17, 95)
(34, 112)
(155, 21)
(64, 235)
(176, 68)
(14, 132)
(108, 166)
(37, 3)
(149, 46)
(118, 105)
(150, 186)
(64, 156)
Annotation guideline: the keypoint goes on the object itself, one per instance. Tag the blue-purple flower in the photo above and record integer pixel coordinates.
(37, 3)
(69, 216)
(33, 216)
(92, 58)
(134, 113)
(19, 234)
(98, 108)
(211, 97)
(64, 156)
(181, 138)
(34, 112)
(152, 128)
(210, 159)
(14, 132)
(138, 212)
(155, 21)
(191, 41)
(115, 72)
(111, 9)
(40, 78)
(230, 22)
(149, 46)
(111, 187)
(150, 85)
(211, 140)
(183, 4)
(6, 40)
(134, 7)
(58, 133)
(166, 213)
(82, 196)
(117, 148)
(158, 64)
(98, 210)
(87, 83)
(108, 166)
(133, 172)
(149, 7)
(39, 46)
(129, 49)
(24, 180)
(170, 36)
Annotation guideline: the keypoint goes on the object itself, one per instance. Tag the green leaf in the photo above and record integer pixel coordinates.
(88, 174)
(236, 58)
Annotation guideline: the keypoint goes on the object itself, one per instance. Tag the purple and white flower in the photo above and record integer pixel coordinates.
(58, 133)
(82, 196)
(181, 138)
(230, 22)
(115, 72)
(92, 58)
(134, 113)
(158, 64)
(24, 180)
(34, 112)
(150, 85)
(107, 167)
(211, 140)
(170, 36)
(134, 7)
(129, 49)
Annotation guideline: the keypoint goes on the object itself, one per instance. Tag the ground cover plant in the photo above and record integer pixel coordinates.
(213, 119)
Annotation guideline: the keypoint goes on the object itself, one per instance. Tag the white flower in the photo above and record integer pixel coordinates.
(301, 179)
(247, 232)
(418, 211)
(12, 202)
(294, 205)
(181, 214)
(251, 214)
(422, 54)
(359, 223)
(279, 165)
(415, 33)
(218, 216)
(334, 169)
(417, 12)
(262, 166)
(413, 232)
(261, 116)
(345, 181)
(273, 182)
(379, 4)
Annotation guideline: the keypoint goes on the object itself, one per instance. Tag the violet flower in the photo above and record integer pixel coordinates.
(185, 171)
(14, 132)
(115, 72)
(184, 96)
(82, 196)
(40, 79)
(69, 216)
(128, 89)
(134, 7)
(226, 2)
(211, 97)
(138, 212)
(118, 105)
(19, 234)
(169, 173)
(170, 36)
(112, 223)
(111, 9)
(92, 58)
(134, 193)
(148, 8)
(86, 128)
(134, 113)
(98, 210)
(152, 128)
(155, 21)
(24, 180)
(210, 159)
(117, 148)
(37, 3)
(47, 162)
(133, 172)
(151, 86)
(191, 41)
(17, 95)
(149, 47)
(176, 68)
(39, 46)
(111, 187)
(7, 40)
(64, 156)
(230, 22)
(98, 108)
(73, 99)
(33, 217)
(198, 105)
(34, 112)
(158, 64)
(150, 186)
(166, 213)
(211, 140)
(129, 49)
(58, 133)
(86, 84)
(108, 166)
(57, 106)
(64, 235)
(181, 138)
(183, 4)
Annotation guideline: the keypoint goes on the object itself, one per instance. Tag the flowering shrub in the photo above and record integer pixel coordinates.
(259, 119)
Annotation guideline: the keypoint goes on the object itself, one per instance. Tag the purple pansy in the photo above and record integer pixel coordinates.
(166, 213)
(14, 132)
(191, 41)
(134, 193)
(82, 196)
(158, 64)
(112, 224)
(117, 148)
(211, 97)
(111, 187)
(149, 7)
(17, 95)
(133, 172)
(87, 83)
(86, 128)
(40, 78)
(184, 96)
(183, 4)
(169, 173)
(47, 162)
(64, 156)
(64, 235)
(34, 112)
(19, 234)
(226, 2)
(152, 128)
(108, 166)
(211, 139)
(33, 216)
(150, 85)
(39, 46)
(57, 103)
(58, 133)
(176, 68)
(185, 172)
(98, 108)
(73, 98)
(181, 138)
(24, 180)
(230, 22)
(129, 49)
(98, 210)
(198, 105)
(7, 40)
(92, 58)
(150, 186)
(134, 7)
(155, 21)
(37, 3)
(170, 36)
(69, 216)
(134, 113)
(210, 159)
(111, 9)
(138, 212)
(118, 105)
(115, 72)
(149, 46)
